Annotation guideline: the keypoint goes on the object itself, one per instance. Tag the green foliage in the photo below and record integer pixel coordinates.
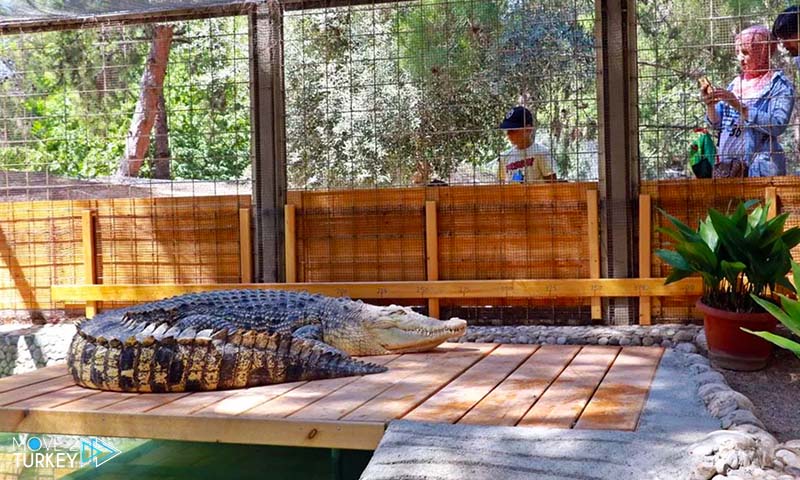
(739, 255)
(788, 314)
(371, 94)
(79, 89)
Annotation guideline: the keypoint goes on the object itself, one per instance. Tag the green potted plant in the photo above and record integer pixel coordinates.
(788, 314)
(740, 256)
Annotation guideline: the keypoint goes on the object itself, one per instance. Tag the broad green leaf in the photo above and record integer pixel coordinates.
(684, 229)
(676, 275)
(796, 274)
(708, 234)
(773, 309)
(730, 237)
(731, 270)
(755, 217)
(673, 258)
(792, 310)
(782, 342)
(791, 237)
(698, 255)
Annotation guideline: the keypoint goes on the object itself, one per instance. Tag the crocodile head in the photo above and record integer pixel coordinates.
(379, 330)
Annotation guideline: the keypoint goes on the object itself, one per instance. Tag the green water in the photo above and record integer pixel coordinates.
(164, 459)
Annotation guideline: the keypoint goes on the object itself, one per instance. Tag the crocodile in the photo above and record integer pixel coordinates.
(242, 338)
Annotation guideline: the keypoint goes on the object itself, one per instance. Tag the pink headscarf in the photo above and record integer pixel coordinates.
(756, 73)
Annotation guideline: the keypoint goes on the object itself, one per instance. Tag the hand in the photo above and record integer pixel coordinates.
(721, 95)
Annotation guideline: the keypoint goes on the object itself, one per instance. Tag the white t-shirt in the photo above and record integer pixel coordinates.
(731, 140)
(526, 165)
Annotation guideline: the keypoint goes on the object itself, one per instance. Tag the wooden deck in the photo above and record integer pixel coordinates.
(598, 387)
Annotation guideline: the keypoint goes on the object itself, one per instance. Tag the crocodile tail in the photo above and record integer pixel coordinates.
(158, 359)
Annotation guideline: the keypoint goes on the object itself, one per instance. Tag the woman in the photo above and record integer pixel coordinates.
(752, 112)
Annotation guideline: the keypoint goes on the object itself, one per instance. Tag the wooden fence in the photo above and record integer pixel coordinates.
(442, 245)
(689, 200)
(113, 241)
(488, 232)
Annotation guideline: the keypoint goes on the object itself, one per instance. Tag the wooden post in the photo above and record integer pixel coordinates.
(432, 253)
(645, 232)
(593, 227)
(618, 133)
(291, 247)
(245, 246)
(89, 257)
(268, 131)
(771, 199)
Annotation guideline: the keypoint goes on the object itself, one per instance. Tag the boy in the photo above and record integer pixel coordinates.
(785, 30)
(525, 161)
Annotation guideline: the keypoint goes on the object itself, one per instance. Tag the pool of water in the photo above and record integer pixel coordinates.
(59, 456)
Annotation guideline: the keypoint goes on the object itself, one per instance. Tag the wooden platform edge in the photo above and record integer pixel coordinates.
(197, 428)
(517, 288)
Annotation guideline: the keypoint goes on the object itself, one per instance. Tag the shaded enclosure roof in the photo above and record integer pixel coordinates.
(39, 15)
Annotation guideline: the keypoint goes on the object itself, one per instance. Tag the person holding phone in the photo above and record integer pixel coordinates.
(752, 112)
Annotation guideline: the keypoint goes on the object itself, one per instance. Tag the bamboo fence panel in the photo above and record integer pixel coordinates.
(137, 240)
(688, 200)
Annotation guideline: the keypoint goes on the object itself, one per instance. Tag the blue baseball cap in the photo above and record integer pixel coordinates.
(517, 117)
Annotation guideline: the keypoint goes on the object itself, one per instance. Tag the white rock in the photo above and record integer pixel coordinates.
(723, 402)
(686, 347)
(740, 417)
(789, 458)
(705, 391)
(709, 377)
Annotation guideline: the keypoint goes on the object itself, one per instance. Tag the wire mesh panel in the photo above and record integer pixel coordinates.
(399, 93)
(148, 127)
(408, 94)
(680, 43)
(686, 52)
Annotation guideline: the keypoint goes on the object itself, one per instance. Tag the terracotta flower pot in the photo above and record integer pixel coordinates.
(730, 347)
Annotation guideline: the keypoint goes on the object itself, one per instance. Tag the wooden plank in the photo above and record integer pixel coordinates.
(350, 397)
(310, 393)
(96, 401)
(566, 398)
(620, 398)
(351, 435)
(459, 396)
(14, 382)
(143, 402)
(246, 399)
(593, 226)
(507, 403)
(771, 199)
(645, 247)
(245, 246)
(55, 398)
(291, 243)
(517, 288)
(36, 389)
(89, 256)
(405, 395)
(431, 253)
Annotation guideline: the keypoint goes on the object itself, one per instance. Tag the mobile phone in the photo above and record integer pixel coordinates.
(705, 85)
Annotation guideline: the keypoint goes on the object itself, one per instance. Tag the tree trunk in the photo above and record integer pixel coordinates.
(162, 159)
(152, 84)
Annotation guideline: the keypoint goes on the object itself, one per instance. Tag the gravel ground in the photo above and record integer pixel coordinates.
(774, 392)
